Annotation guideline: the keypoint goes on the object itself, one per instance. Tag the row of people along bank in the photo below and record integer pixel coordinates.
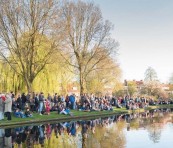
(23, 105)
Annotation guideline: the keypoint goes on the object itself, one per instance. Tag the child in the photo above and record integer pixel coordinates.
(28, 113)
(47, 106)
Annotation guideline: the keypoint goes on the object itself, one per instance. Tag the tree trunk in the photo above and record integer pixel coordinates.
(28, 84)
(29, 87)
(81, 85)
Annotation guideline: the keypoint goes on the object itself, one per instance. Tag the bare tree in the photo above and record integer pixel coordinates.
(171, 79)
(87, 38)
(150, 75)
(25, 36)
(106, 76)
(151, 83)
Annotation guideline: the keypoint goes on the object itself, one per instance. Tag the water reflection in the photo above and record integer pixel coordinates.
(99, 133)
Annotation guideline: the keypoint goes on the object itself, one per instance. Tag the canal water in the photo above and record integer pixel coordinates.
(152, 129)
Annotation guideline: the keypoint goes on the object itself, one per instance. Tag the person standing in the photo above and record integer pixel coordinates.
(28, 100)
(19, 102)
(23, 97)
(55, 99)
(8, 106)
(72, 101)
(36, 101)
(41, 100)
(47, 106)
(2, 99)
(50, 99)
(67, 101)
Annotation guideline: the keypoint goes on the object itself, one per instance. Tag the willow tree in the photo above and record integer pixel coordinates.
(9, 80)
(87, 38)
(53, 79)
(25, 36)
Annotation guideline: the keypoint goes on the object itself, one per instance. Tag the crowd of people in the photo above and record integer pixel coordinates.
(23, 105)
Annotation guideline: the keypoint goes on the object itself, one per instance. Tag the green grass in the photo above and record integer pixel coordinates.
(153, 107)
(165, 106)
(55, 116)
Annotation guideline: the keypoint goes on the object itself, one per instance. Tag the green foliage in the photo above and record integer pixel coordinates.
(54, 78)
(132, 88)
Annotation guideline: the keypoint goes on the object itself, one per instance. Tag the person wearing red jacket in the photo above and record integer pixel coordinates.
(47, 106)
(2, 99)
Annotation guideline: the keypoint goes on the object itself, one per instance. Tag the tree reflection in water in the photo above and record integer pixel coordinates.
(98, 133)
(106, 134)
(160, 118)
(153, 122)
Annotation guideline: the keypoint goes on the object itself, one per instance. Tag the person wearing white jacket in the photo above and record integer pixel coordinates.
(8, 106)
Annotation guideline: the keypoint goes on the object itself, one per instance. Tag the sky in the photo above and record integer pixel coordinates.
(144, 30)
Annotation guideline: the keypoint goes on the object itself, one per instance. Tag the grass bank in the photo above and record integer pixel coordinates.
(55, 117)
(153, 107)
(78, 115)
(165, 106)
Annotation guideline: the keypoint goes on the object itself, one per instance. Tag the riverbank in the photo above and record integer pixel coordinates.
(152, 107)
(55, 117)
(77, 115)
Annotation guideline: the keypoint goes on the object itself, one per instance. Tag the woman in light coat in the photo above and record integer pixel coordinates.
(8, 106)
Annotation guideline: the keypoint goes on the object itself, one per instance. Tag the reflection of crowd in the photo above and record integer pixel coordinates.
(36, 135)
(142, 116)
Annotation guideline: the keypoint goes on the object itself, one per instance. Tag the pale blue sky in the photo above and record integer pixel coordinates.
(144, 29)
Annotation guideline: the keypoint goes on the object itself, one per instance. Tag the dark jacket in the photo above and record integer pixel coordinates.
(23, 98)
(19, 102)
(41, 98)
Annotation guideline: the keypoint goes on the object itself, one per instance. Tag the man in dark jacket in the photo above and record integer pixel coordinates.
(19, 102)
(23, 97)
